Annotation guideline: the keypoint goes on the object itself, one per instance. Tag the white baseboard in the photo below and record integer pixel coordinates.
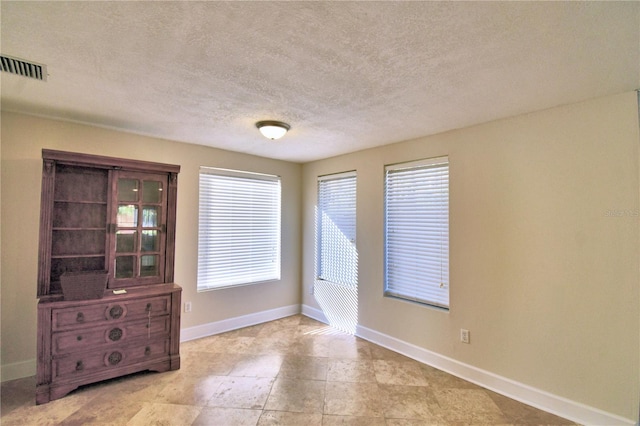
(543, 400)
(18, 370)
(235, 323)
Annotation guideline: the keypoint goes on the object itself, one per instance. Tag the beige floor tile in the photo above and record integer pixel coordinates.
(296, 395)
(378, 352)
(211, 416)
(284, 418)
(351, 370)
(311, 346)
(409, 402)
(52, 413)
(390, 372)
(329, 420)
(468, 406)
(353, 399)
(316, 329)
(416, 422)
(114, 411)
(282, 332)
(257, 366)
(208, 363)
(190, 390)
(165, 414)
(242, 392)
(230, 345)
(282, 327)
(271, 346)
(303, 367)
(349, 347)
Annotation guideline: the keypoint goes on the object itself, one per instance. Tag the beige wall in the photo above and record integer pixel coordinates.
(543, 277)
(23, 138)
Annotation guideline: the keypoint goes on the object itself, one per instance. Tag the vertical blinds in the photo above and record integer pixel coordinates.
(417, 231)
(239, 228)
(337, 259)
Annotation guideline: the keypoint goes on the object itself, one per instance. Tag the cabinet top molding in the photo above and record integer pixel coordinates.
(99, 161)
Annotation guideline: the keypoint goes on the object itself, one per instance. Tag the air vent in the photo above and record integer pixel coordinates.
(23, 68)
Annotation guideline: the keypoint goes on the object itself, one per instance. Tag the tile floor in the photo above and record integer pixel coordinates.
(293, 371)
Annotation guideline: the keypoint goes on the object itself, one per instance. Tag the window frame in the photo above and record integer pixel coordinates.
(205, 263)
(319, 275)
(415, 289)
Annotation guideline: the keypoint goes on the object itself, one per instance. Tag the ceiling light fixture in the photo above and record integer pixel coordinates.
(272, 129)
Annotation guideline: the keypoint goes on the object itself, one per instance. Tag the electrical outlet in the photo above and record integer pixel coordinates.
(464, 335)
(187, 306)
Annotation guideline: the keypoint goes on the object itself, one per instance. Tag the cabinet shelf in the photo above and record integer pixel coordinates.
(103, 228)
(76, 256)
(104, 203)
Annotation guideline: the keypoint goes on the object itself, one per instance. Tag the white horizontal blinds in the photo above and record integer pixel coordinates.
(239, 228)
(337, 260)
(417, 231)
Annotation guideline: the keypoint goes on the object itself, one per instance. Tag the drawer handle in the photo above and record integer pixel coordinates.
(115, 334)
(79, 338)
(79, 366)
(116, 312)
(115, 358)
(147, 351)
(148, 308)
(80, 317)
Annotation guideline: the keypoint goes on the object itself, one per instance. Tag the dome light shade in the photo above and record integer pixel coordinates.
(272, 129)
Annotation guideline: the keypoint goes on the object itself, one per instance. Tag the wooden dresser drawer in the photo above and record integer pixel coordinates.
(112, 334)
(100, 312)
(86, 341)
(85, 363)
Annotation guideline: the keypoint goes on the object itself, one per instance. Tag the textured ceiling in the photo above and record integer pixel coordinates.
(345, 75)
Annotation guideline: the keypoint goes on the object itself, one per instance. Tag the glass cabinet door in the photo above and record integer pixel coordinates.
(140, 221)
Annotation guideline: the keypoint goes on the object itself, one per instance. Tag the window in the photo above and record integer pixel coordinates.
(336, 285)
(239, 228)
(337, 259)
(417, 231)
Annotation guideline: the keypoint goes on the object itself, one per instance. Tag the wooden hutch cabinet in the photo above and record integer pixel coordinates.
(110, 222)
